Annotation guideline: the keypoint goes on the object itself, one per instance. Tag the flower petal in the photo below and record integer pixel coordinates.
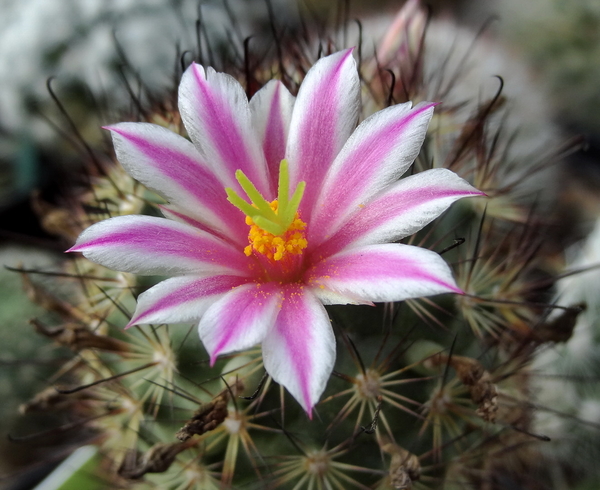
(148, 245)
(401, 210)
(215, 112)
(378, 153)
(390, 272)
(271, 109)
(325, 114)
(299, 353)
(240, 319)
(170, 165)
(182, 299)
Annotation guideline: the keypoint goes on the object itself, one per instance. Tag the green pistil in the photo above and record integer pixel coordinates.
(276, 223)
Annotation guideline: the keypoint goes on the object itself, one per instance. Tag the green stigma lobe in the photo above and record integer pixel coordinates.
(259, 208)
(265, 224)
(294, 203)
(255, 196)
(283, 186)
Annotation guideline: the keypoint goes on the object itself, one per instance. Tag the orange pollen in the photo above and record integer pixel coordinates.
(276, 247)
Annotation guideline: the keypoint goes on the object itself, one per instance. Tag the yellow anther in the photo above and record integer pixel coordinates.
(276, 247)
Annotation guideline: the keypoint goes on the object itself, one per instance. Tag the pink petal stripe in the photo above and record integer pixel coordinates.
(240, 319)
(401, 210)
(377, 273)
(148, 245)
(325, 114)
(378, 153)
(170, 165)
(182, 299)
(271, 109)
(215, 112)
(299, 353)
(173, 212)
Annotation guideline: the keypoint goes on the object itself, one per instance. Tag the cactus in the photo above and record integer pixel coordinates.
(434, 392)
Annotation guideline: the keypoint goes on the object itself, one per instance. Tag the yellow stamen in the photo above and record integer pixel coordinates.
(276, 247)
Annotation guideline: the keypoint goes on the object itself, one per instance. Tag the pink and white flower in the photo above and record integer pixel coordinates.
(324, 204)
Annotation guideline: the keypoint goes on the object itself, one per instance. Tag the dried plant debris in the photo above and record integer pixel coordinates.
(560, 327)
(471, 373)
(78, 337)
(157, 459)
(405, 468)
(208, 417)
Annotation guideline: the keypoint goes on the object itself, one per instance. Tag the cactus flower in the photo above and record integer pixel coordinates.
(277, 206)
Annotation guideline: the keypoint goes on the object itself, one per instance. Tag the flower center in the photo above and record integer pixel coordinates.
(276, 230)
(276, 247)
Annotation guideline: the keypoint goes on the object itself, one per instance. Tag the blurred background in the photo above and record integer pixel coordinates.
(67, 64)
